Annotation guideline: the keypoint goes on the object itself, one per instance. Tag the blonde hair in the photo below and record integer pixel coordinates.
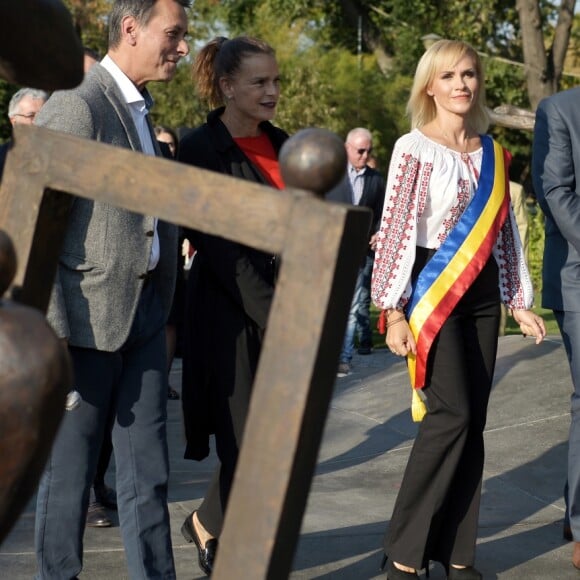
(442, 55)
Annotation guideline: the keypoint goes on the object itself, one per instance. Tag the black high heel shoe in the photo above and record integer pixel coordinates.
(206, 554)
(468, 573)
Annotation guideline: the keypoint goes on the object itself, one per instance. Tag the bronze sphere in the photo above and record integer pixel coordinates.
(313, 159)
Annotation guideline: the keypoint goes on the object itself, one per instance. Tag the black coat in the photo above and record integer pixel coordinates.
(4, 148)
(230, 289)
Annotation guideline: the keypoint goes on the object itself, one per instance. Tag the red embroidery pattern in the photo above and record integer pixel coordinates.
(404, 201)
(511, 287)
(463, 196)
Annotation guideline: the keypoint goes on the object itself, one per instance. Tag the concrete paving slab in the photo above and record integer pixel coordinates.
(367, 440)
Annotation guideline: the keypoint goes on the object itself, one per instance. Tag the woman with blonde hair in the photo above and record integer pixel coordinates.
(448, 252)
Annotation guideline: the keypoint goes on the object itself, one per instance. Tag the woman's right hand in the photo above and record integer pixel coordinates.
(530, 324)
(399, 337)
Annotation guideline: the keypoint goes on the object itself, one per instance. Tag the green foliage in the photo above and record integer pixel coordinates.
(506, 83)
(6, 92)
(327, 82)
(324, 86)
(176, 103)
(90, 21)
(536, 254)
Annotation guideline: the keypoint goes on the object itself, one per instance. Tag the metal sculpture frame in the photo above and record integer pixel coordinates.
(321, 247)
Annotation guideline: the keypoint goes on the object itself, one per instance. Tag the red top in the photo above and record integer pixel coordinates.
(260, 152)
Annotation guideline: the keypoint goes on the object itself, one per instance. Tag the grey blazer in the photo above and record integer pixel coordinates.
(556, 177)
(106, 249)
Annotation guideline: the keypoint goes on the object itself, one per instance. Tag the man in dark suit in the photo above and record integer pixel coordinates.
(110, 302)
(363, 186)
(556, 176)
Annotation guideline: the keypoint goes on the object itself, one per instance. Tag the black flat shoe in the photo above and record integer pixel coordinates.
(97, 517)
(206, 554)
(468, 573)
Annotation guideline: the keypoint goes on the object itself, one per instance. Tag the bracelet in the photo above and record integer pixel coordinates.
(397, 320)
(393, 311)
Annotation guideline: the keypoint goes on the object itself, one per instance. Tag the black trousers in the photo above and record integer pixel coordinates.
(231, 410)
(436, 511)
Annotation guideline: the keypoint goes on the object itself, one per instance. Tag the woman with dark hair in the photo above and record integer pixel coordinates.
(448, 252)
(169, 137)
(230, 286)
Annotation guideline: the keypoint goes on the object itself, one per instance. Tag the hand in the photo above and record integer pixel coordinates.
(399, 337)
(373, 242)
(530, 324)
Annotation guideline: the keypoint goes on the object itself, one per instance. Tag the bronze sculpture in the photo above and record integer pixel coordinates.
(321, 245)
(34, 369)
(34, 380)
(38, 46)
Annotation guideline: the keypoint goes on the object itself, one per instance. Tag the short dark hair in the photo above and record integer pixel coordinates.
(138, 9)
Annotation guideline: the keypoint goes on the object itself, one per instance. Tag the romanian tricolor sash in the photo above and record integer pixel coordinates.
(460, 259)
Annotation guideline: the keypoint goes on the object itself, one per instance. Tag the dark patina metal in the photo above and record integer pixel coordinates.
(321, 245)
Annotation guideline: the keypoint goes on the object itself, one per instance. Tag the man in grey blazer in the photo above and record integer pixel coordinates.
(556, 177)
(110, 302)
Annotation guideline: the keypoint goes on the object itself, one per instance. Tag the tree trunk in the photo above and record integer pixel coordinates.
(539, 73)
(562, 38)
(543, 71)
(371, 37)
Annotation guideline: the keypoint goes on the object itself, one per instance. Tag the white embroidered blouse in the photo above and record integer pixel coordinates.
(428, 188)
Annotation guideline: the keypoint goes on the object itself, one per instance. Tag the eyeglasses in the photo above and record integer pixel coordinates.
(362, 150)
(25, 115)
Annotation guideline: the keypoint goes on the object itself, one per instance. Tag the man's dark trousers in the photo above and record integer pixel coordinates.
(569, 324)
(133, 381)
(359, 318)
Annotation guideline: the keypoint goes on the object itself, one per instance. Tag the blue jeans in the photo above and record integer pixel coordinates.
(131, 382)
(359, 317)
(569, 324)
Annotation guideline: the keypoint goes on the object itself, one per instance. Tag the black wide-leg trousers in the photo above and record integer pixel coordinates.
(436, 511)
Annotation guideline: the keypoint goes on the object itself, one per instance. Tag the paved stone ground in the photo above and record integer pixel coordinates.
(367, 439)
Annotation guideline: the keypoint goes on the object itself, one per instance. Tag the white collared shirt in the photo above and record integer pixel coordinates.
(139, 110)
(357, 180)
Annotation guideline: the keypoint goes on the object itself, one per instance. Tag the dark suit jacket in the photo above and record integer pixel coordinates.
(4, 148)
(373, 195)
(556, 177)
(230, 289)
